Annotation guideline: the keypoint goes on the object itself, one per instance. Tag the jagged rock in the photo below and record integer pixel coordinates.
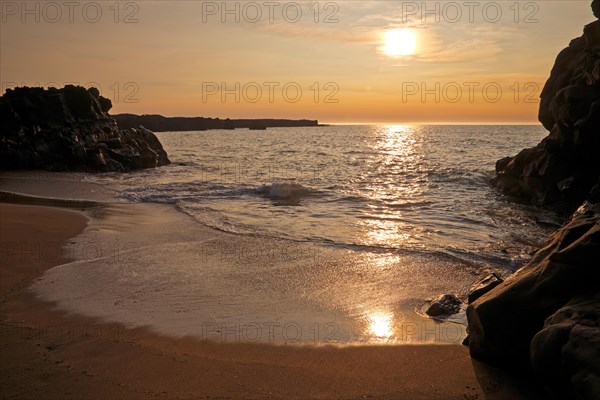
(503, 322)
(483, 286)
(443, 306)
(560, 171)
(545, 317)
(69, 129)
(105, 104)
(502, 163)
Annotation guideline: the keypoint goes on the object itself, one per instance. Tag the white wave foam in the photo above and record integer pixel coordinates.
(284, 191)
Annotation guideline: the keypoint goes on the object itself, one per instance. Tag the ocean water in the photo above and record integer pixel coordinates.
(372, 188)
(323, 234)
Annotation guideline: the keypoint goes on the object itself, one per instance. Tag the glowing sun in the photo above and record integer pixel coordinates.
(399, 42)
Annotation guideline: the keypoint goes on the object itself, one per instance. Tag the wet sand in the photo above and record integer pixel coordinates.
(49, 354)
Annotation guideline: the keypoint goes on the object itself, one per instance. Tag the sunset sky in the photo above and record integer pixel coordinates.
(173, 57)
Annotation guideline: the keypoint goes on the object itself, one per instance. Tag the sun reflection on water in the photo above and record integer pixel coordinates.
(394, 181)
(397, 140)
(380, 324)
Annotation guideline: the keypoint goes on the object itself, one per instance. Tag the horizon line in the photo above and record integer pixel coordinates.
(441, 123)
(322, 122)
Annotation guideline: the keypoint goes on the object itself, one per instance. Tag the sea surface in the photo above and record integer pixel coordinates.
(340, 232)
(372, 188)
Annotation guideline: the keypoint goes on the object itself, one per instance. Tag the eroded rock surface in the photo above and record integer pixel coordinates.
(559, 172)
(69, 129)
(545, 318)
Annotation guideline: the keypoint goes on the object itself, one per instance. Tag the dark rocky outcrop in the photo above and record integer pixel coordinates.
(158, 123)
(545, 318)
(483, 286)
(560, 171)
(535, 301)
(69, 129)
(444, 306)
(564, 354)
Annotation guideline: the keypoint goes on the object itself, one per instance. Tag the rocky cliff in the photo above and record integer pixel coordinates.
(545, 318)
(560, 171)
(69, 129)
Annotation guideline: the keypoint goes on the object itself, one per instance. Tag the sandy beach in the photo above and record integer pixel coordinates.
(300, 200)
(49, 354)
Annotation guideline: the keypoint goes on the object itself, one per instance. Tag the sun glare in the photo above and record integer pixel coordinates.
(400, 42)
(380, 324)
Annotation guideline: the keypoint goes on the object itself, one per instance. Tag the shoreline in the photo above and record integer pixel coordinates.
(153, 240)
(70, 356)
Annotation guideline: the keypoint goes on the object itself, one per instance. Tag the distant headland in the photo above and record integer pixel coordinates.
(159, 123)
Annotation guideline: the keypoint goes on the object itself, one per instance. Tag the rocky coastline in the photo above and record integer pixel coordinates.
(544, 320)
(69, 129)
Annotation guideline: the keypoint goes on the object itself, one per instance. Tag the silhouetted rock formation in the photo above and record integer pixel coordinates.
(560, 171)
(444, 306)
(69, 129)
(483, 286)
(545, 318)
(158, 123)
(565, 353)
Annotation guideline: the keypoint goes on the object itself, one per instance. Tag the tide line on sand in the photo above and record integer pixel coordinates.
(87, 358)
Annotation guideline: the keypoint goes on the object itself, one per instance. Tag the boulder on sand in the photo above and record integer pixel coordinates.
(444, 306)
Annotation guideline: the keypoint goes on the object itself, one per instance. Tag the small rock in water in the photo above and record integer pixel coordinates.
(483, 286)
(445, 305)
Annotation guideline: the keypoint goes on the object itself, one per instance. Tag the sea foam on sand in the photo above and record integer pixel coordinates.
(148, 265)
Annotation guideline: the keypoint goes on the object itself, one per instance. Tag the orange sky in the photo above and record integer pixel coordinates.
(483, 63)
